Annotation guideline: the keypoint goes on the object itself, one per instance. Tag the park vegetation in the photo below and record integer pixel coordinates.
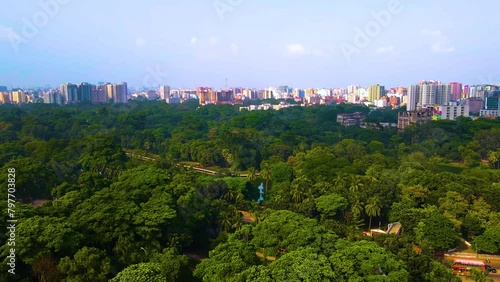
(122, 203)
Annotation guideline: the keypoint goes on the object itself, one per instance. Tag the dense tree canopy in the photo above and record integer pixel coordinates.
(115, 192)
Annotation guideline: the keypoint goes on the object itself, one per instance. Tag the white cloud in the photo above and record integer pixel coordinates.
(235, 49)
(213, 41)
(139, 42)
(194, 40)
(295, 50)
(441, 43)
(385, 49)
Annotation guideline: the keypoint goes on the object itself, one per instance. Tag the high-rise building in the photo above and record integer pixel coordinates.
(117, 92)
(443, 95)
(351, 89)
(53, 97)
(492, 103)
(456, 91)
(269, 94)
(110, 92)
(205, 95)
(18, 97)
(375, 92)
(413, 97)
(285, 89)
(4, 98)
(70, 92)
(98, 94)
(466, 91)
(121, 92)
(224, 96)
(164, 92)
(84, 92)
(433, 93)
(473, 92)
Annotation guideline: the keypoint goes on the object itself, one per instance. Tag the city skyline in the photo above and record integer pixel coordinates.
(250, 43)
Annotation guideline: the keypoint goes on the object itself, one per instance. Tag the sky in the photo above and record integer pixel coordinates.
(251, 43)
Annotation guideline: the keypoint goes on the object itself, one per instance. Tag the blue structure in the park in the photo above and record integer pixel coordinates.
(261, 190)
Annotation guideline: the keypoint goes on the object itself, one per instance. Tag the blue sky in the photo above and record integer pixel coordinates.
(252, 43)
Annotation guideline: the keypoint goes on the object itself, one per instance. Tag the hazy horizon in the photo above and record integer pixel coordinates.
(253, 44)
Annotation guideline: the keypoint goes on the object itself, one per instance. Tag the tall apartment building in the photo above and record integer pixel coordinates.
(70, 93)
(206, 95)
(121, 93)
(99, 94)
(456, 91)
(164, 92)
(466, 91)
(224, 96)
(84, 92)
(375, 92)
(352, 89)
(4, 97)
(18, 97)
(432, 94)
(269, 94)
(413, 97)
(53, 97)
(117, 92)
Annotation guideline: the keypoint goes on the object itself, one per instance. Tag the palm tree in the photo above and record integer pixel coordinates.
(239, 200)
(340, 181)
(265, 174)
(357, 209)
(226, 223)
(356, 184)
(252, 174)
(230, 196)
(297, 194)
(493, 157)
(373, 208)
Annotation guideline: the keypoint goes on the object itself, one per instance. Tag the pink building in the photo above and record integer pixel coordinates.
(475, 105)
(456, 90)
(466, 91)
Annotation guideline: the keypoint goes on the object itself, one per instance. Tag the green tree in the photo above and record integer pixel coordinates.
(150, 272)
(252, 174)
(330, 205)
(265, 173)
(373, 208)
(88, 264)
(366, 261)
(226, 261)
(489, 241)
(436, 233)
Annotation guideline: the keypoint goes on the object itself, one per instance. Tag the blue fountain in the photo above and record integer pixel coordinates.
(261, 191)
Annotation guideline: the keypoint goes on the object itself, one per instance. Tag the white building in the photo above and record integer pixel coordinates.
(413, 97)
(451, 111)
(489, 113)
